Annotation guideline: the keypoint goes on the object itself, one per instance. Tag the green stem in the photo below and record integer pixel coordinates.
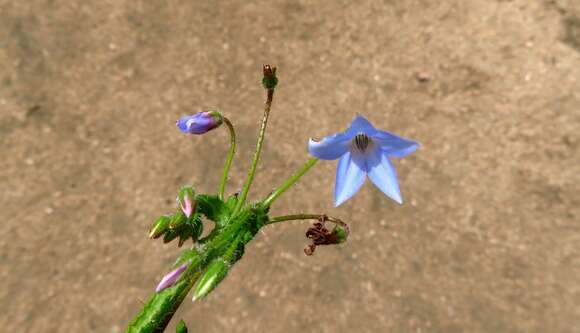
(261, 135)
(289, 182)
(294, 217)
(159, 310)
(230, 157)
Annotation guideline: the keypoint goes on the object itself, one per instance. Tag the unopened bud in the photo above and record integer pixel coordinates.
(200, 123)
(170, 279)
(186, 200)
(215, 273)
(177, 221)
(159, 227)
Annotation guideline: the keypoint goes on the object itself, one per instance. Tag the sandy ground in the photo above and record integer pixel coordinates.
(488, 239)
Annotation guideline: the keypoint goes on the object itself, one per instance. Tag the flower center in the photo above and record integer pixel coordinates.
(361, 142)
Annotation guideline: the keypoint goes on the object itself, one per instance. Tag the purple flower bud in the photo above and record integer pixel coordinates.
(169, 279)
(200, 123)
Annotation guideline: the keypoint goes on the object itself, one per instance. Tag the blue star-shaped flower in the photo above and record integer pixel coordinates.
(363, 150)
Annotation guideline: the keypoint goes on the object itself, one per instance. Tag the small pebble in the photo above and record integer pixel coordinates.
(423, 76)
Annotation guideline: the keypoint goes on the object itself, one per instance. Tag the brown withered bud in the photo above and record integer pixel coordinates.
(320, 235)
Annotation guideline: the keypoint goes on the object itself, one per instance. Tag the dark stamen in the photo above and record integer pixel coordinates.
(361, 142)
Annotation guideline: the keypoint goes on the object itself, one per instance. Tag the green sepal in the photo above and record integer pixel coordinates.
(213, 275)
(181, 328)
(341, 233)
(231, 202)
(178, 220)
(217, 116)
(189, 256)
(259, 217)
(196, 227)
(270, 83)
(270, 80)
(160, 226)
(169, 236)
(186, 190)
(184, 234)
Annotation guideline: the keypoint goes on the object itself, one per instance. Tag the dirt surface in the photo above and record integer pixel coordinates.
(488, 239)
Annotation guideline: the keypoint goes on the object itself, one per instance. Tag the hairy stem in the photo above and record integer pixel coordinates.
(261, 135)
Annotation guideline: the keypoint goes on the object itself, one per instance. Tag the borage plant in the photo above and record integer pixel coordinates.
(362, 150)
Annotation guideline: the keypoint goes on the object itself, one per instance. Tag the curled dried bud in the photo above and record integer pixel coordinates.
(320, 235)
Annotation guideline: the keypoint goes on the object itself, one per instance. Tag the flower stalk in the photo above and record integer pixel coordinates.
(289, 182)
(229, 159)
(269, 82)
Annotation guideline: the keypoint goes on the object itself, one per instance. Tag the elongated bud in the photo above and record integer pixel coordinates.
(200, 123)
(177, 221)
(215, 273)
(170, 279)
(159, 227)
(181, 328)
(186, 200)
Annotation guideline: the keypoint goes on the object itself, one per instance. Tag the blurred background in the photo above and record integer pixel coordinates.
(488, 237)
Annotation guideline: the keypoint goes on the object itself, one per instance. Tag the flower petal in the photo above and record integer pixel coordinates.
(394, 145)
(330, 147)
(350, 176)
(200, 123)
(169, 279)
(382, 173)
(360, 124)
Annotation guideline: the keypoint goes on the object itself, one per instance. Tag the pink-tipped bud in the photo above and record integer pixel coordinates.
(186, 200)
(170, 279)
